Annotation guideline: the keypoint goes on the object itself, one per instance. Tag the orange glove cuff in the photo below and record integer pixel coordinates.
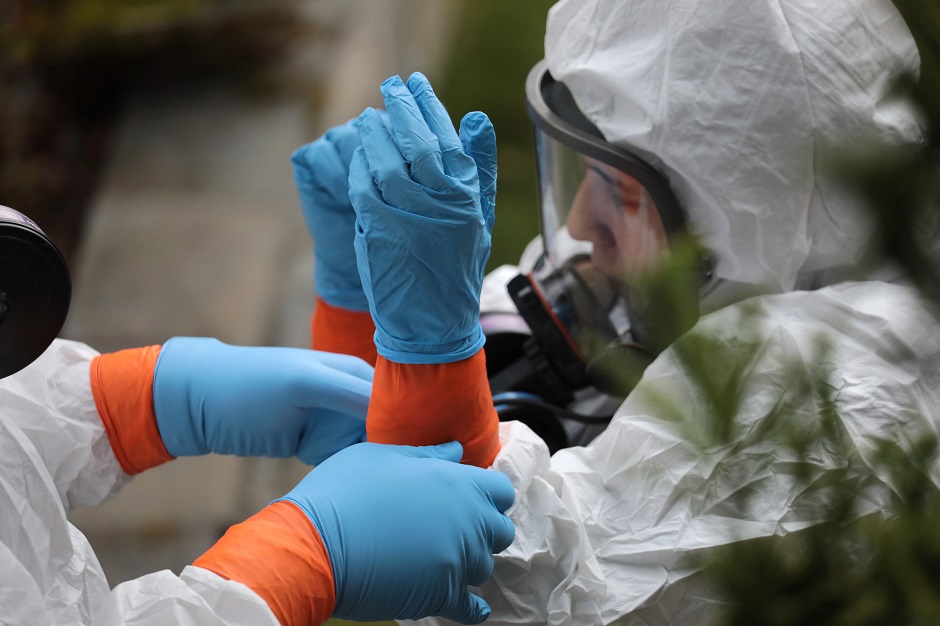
(421, 405)
(278, 554)
(342, 331)
(122, 385)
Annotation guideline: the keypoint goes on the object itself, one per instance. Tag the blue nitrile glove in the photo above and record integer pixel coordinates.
(407, 529)
(253, 401)
(321, 172)
(424, 200)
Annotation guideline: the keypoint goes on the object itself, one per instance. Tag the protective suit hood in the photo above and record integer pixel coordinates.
(736, 101)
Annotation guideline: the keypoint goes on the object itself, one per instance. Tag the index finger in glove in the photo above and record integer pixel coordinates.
(468, 609)
(497, 533)
(386, 165)
(319, 174)
(326, 388)
(415, 139)
(347, 364)
(498, 488)
(479, 141)
(345, 139)
(496, 485)
(455, 162)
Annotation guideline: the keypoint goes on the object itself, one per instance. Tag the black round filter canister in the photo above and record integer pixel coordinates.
(35, 291)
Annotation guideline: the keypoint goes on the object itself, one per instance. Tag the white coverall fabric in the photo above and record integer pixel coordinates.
(739, 103)
(55, 455)
(608, 533)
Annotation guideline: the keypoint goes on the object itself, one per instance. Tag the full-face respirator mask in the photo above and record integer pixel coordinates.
(605, 216)
(35, 291)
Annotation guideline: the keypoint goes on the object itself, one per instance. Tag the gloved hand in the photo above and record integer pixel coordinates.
(321, 173)
(251, 401)
(407, 529)
(424, 200)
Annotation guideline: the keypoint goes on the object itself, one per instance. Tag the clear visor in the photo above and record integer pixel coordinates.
(601, 229)
(590, 208)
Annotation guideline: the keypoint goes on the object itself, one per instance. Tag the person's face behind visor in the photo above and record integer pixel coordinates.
(613, 212)
(607, 219)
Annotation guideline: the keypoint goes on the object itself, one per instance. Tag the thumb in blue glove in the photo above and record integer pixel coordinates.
(407, 530)
(321, 174)
(254, 401)
(424, 199)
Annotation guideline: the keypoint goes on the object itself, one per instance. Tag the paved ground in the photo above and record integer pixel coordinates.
(196, 230)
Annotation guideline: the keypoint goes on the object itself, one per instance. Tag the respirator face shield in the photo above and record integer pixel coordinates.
(35, 291)
(606, 217)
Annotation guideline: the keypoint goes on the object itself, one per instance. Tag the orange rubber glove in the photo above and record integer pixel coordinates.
(421, 405)
(278, 554)
(342, 331)
(122, 385)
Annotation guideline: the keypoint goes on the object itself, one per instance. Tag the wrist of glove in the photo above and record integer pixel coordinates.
(424, 200)
(252, 401)
(407, 530)
(422, 405)
(279, 555)
(122, 386)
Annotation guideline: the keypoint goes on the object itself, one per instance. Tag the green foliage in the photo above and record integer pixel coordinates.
(901, 183)
(875, 570)
(495, 46)
(848, 569)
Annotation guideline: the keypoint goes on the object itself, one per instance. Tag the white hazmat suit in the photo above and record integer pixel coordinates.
(736, 102)
(55, 456)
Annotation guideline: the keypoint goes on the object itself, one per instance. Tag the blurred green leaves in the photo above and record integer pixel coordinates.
(901, 183)
(848, 569)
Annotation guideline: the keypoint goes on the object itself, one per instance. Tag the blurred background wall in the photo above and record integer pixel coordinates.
(151, 140)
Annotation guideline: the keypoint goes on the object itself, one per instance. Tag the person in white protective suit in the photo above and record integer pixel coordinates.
(730, 106)
(701, 116)
(373, 532)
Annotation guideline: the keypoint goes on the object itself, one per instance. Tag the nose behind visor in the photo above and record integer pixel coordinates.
(572, 154)
(605, 214)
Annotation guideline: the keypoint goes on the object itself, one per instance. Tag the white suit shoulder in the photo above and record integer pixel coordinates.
(609, 533)
(54, 454)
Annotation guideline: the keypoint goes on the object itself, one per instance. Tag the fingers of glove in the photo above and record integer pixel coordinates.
(450, 451)
(369, 206)
(344, 139)
(345, 363)
(498, 488)
(386, 167)
(439, 122)
(416, 141)
(468, 609)
(479, 141)
(318, 387)
(328, 433)
(504, 531)
(496, 485)
(479, 568)
(318, 170)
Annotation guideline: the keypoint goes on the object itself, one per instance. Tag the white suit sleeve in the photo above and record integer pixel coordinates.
(50, 403)
(54, 454)
(610, 532)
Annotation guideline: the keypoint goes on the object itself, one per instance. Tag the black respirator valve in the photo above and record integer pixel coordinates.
(554, 347)
(35, 291)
